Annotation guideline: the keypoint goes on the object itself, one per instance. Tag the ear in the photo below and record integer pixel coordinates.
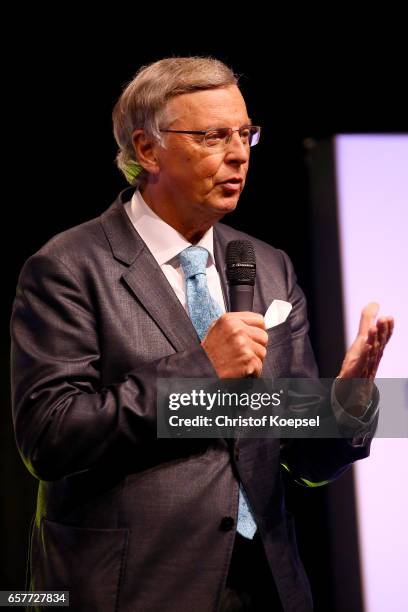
(145, 149)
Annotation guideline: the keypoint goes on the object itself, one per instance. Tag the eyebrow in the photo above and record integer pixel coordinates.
(221, 127)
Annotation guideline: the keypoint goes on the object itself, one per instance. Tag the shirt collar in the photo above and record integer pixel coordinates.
(164, 242)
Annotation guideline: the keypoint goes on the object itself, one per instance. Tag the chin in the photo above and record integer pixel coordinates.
(227, 203)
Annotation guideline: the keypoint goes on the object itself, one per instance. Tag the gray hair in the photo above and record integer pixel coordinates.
(142, 104)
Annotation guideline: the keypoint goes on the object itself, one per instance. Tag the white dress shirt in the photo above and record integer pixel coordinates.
(165, 244)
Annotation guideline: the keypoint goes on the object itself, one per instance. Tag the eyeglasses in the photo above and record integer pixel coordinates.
(221, 137)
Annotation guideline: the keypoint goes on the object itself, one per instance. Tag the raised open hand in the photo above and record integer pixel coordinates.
(364, 355)
(362, 360)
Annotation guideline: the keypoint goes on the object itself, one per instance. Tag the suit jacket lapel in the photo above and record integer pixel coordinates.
(145, 278)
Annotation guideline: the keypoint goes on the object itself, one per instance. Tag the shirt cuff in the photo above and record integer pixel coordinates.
(358, 429)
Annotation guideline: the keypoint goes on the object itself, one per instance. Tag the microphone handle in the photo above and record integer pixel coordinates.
(241, 298)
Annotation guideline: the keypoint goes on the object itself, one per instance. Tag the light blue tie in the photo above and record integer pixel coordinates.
(203, 310)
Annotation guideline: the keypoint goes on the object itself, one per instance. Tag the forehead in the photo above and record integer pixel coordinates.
(221, 107)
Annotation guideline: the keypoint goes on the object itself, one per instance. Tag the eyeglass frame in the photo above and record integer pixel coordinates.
(228, 137)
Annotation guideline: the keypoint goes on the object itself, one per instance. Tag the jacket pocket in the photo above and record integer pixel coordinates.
(279, 333)
(277, 362)
(89, 563)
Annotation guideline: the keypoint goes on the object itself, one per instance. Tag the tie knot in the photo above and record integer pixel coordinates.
(193, 260)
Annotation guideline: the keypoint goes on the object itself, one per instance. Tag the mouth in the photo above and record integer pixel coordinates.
(232, 184)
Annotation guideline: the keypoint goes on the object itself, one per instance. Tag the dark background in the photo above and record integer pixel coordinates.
(301, 85)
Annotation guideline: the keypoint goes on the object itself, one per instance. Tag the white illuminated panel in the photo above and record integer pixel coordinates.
(372, 179)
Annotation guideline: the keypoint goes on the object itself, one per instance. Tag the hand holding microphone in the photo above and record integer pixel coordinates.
(236, 342)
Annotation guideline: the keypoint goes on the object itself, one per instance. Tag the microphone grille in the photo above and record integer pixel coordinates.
(241, 263)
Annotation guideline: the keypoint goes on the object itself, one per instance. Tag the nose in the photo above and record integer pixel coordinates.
(236, 151)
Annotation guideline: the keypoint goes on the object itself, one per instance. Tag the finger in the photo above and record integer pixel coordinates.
(378, 349)
(367, 318)
(250, 318)
(383, 331)
(384, 326)
(259, 350)
(370, 353)
(388, 323)
(258, 335)
(372, 336)
(373, 362)
(254, 369)
(391, 325)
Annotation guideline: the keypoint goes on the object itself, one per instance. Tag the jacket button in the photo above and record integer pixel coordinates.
(227, 523)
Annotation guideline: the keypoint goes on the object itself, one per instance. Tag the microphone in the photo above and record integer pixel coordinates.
(241, 272)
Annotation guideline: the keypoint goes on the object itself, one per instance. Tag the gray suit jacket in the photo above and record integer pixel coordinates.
(126, 521)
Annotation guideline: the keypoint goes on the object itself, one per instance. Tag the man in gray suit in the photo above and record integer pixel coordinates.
(126, 521)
